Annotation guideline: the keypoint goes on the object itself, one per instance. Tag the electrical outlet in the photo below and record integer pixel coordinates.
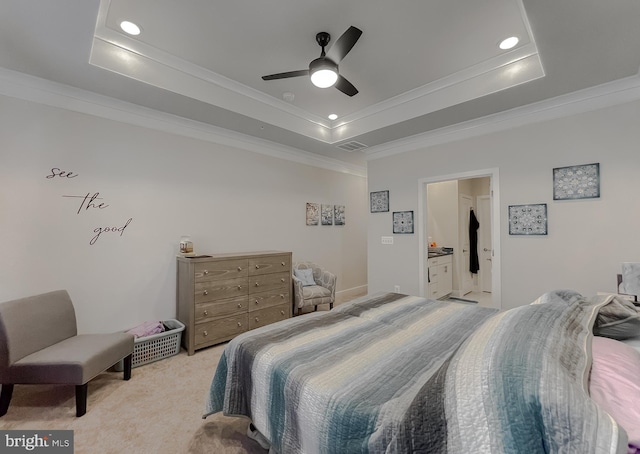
(387, 240)
(396, 288)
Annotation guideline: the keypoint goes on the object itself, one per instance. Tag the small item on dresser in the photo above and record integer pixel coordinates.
(186, 246)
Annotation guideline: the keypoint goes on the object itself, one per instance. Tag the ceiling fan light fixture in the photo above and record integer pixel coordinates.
(323, 72)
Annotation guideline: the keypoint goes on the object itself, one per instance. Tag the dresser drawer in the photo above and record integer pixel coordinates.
(269, 315)
(270, 282)
(225, 269)
(270, 264)
(222, 308)
(229, 288)
(260, 301)
(220, 330)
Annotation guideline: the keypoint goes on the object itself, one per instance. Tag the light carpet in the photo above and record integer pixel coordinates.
(158, 411)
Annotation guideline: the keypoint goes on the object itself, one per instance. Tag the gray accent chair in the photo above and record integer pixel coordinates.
(39, 344)
(324, 292)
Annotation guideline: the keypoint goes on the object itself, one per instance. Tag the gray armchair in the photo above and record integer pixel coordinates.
(39, 344)
(321, 290)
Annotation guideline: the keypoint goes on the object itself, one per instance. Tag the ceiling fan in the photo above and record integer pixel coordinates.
(324, 70)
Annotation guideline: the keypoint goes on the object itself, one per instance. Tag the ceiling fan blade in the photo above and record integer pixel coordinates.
(302, 72)
(345, 86)
(344, 44)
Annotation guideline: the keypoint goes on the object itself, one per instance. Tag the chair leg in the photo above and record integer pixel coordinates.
(127, 366)
(5, 398)
(81, 399)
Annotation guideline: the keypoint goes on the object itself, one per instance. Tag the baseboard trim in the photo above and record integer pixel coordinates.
(348, 294)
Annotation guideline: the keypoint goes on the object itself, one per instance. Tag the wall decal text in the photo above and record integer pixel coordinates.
(101, 230)
(56, 172)
(89, 204)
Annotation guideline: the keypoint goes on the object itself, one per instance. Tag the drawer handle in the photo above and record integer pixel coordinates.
(239, 287)
(281, 296)
(282, 263)
(257, 267)
(282, 312)
(239, 268)
(205, 313)
(205, 334)
(257, 284)
(240, 305)
(257, 302)
(239, 324)
(205, 292)
(281, 279)
(205, 272)
(257, 319)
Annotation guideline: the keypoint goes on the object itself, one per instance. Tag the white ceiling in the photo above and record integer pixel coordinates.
(418, 65)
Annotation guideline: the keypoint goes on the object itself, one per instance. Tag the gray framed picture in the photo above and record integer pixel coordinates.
(379, 201)
(528, 219)
(313, 213)
(576, 182)
(403, 222)
(338, 215)
(326, 214)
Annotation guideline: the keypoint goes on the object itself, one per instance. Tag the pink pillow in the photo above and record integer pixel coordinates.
(615, 385)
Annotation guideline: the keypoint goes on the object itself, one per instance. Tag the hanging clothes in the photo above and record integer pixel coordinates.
(474, 263)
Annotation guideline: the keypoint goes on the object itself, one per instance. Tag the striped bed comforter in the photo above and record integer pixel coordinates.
(392, 373)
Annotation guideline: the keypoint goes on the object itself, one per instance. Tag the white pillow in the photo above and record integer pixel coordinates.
(306, 276)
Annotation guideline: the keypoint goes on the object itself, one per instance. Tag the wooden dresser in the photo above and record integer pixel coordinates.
(222, 295)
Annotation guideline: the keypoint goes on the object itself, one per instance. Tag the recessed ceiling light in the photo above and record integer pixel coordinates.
(129, 27)
(508, 43)
(333, 117)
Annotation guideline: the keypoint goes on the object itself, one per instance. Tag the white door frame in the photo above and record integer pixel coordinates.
(493, 174)
(482, 275)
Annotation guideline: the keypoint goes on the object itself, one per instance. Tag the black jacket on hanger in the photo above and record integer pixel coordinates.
(474, 263)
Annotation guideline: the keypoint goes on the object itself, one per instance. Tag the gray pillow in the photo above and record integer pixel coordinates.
(619, 319)
(306, 276)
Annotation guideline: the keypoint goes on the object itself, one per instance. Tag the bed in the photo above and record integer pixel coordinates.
(392, 373)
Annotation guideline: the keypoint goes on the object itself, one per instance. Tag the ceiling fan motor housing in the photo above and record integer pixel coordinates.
(322, 63)
(323, 39)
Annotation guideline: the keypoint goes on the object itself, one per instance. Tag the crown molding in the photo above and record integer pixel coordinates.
(606, 95)
(30, 88)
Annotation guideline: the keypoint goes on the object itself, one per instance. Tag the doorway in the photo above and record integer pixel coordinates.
(486, 282)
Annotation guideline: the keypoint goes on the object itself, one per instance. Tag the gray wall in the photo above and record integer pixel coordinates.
(587, 240)
(226, 199)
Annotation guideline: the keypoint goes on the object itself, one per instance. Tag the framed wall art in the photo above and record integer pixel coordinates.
(338, 215)
(379, 201)
(326, 214)
(403, 222)
(313, 213)
(528, 219)
(576, 182)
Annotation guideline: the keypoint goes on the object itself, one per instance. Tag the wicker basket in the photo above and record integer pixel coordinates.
(157, 346)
